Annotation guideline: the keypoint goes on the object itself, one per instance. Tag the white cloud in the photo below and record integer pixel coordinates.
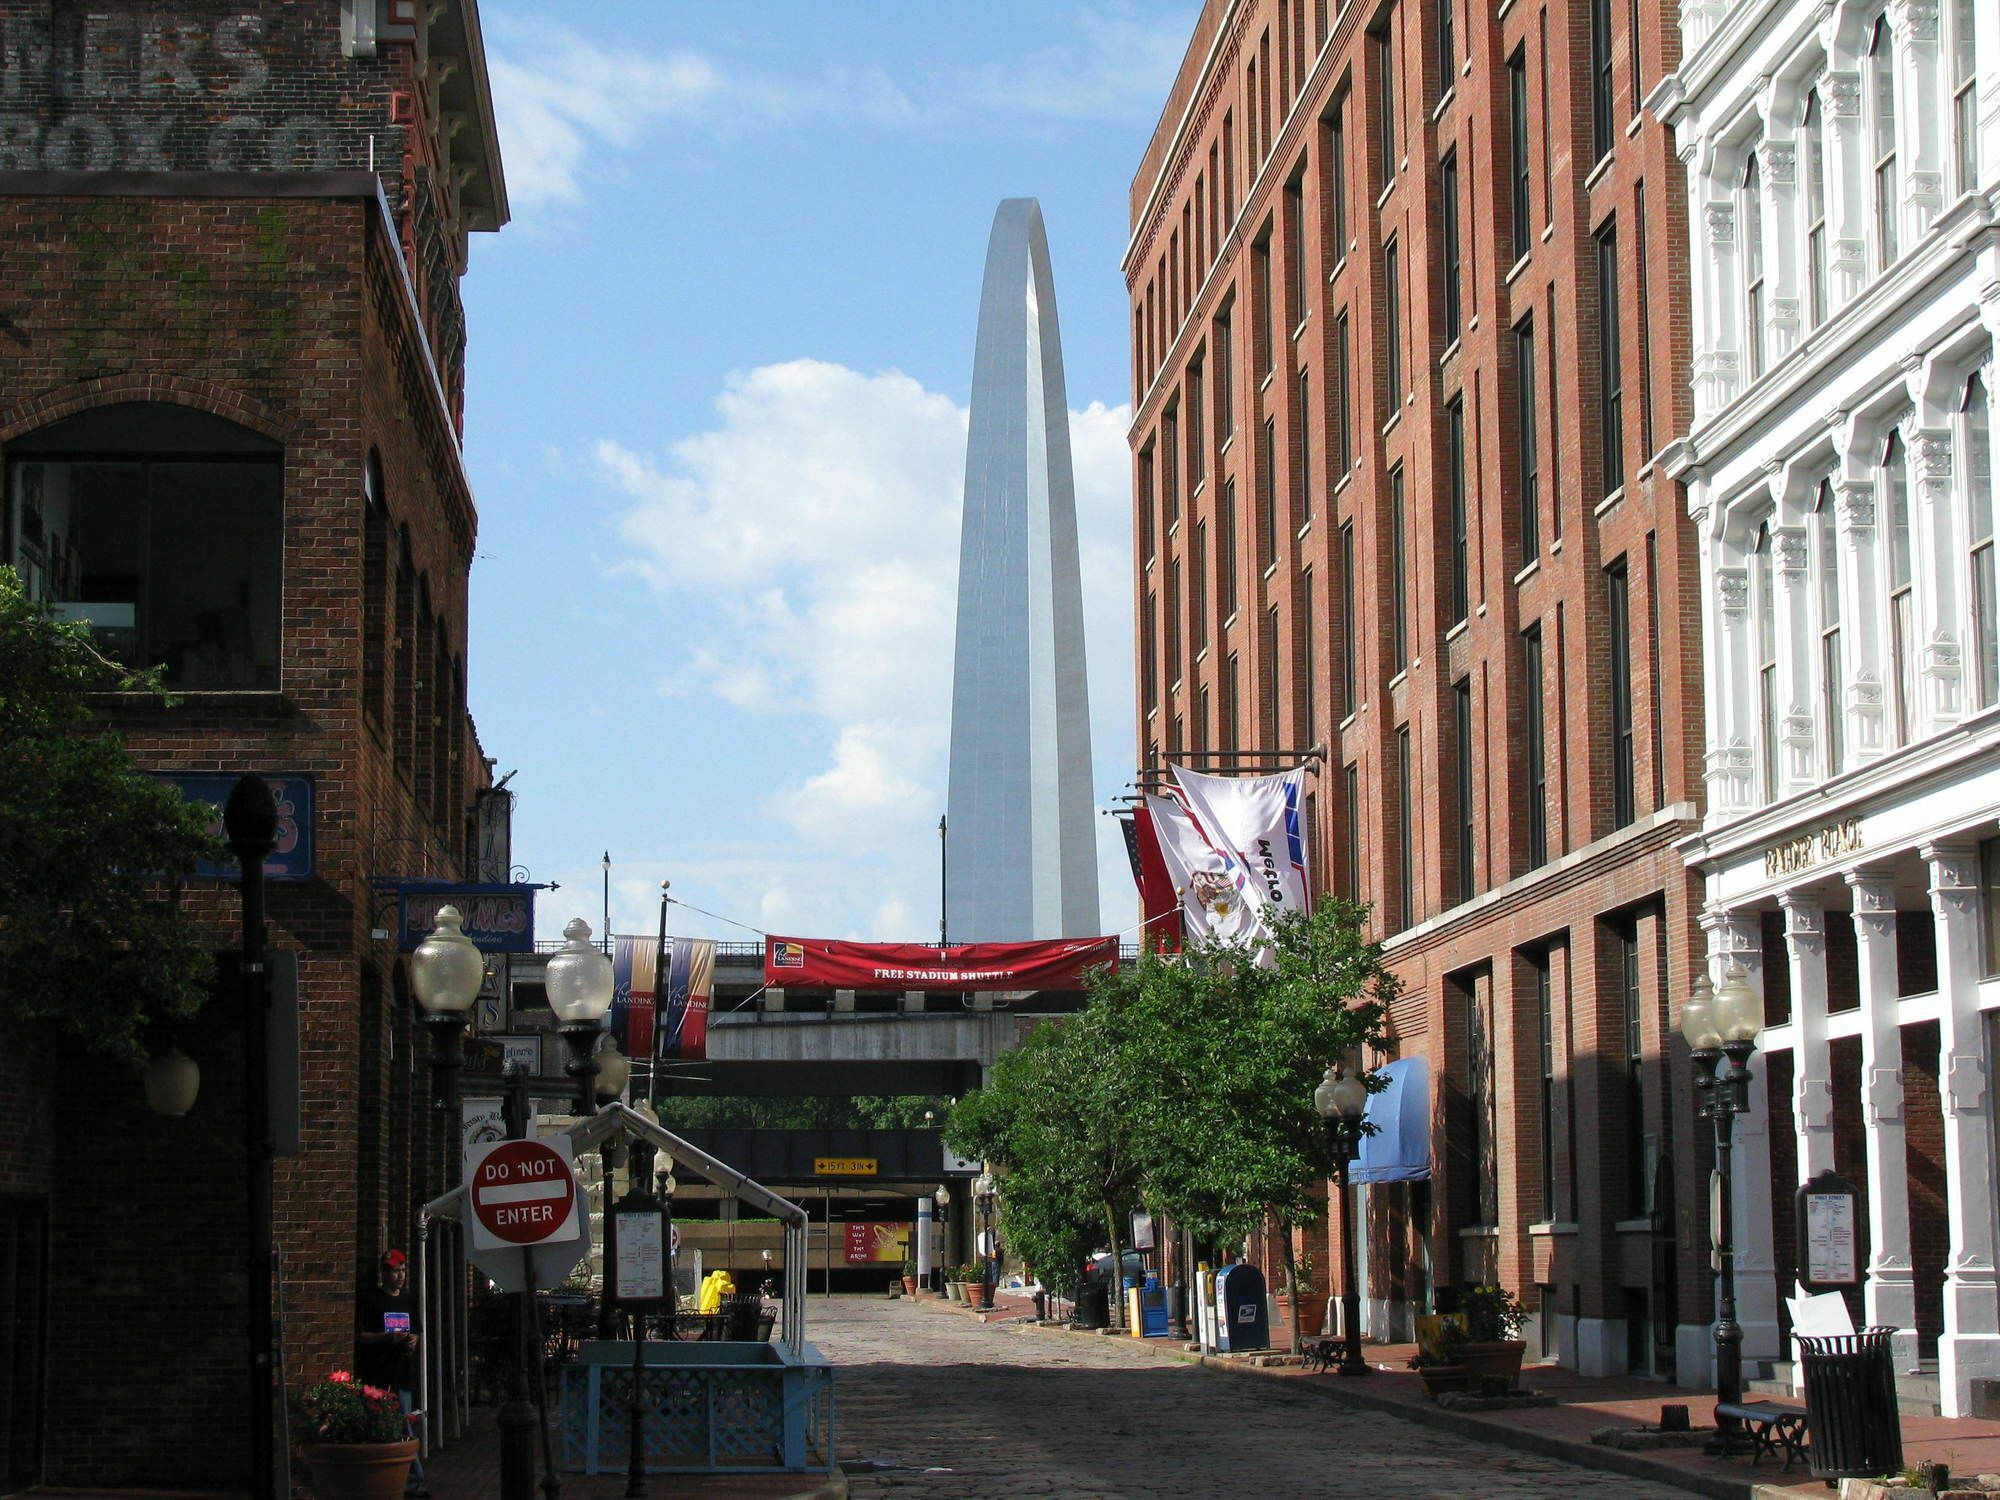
(1112, 65)
(807, 544)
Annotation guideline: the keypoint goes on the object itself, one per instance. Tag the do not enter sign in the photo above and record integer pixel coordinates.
(521, 1192)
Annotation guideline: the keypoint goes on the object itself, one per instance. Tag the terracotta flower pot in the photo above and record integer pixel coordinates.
(1500, 1359)
(909, 1286)
(359, 1471)
(979, 1294)
(1441, 1378)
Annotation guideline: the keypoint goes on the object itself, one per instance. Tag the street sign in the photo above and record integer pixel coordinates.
(513, 1269)
(521, 1193)
(844, 1166)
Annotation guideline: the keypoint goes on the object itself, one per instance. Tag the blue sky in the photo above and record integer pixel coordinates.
(716, 421)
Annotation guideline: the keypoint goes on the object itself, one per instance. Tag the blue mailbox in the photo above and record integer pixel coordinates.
(1242, 1316)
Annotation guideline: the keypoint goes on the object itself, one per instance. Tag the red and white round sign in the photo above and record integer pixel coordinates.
(523, 1193)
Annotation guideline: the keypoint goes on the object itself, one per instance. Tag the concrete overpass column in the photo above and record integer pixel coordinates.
(843, 1000)
(913, 1000)
(982, 1000)
(774, 999)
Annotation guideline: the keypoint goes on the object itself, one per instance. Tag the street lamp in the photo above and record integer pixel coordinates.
(942, 1197)
(579, 983)
(984, 1188)
(172, 1081)
(1340, 1102)
(446, 970)
(613, 1069)
(1721, 1030)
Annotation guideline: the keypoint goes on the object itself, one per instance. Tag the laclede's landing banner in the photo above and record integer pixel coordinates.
(825, 963)
(1236, 847)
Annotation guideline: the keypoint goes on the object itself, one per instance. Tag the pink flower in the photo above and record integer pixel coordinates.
(340, 1377)
(374, 1392)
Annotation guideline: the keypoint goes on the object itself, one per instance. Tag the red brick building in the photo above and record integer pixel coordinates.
(230, 388)
(1409, 328)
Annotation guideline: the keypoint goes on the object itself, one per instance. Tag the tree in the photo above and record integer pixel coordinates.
(90, 941)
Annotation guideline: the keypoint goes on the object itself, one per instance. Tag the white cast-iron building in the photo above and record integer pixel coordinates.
(1844, 162)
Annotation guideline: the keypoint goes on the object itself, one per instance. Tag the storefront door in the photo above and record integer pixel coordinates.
(24, 1264)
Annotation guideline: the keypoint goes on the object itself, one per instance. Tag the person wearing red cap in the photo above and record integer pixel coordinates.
(385, 1342)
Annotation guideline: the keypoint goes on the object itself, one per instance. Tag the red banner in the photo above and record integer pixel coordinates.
(820, 963)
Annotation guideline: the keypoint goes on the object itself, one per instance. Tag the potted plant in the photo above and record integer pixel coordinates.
(909, 1278)
(977, 1292)
(1439, 1361)
(1492, 1319)
(354, 1438)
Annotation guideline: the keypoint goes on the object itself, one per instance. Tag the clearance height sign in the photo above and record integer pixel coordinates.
(521, 1193)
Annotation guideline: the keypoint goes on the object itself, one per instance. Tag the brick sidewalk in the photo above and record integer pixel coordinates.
(1584, 1404)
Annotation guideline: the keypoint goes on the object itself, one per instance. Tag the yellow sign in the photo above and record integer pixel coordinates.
(843, 1166)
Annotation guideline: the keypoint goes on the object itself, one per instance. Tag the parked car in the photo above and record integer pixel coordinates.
(1099, 1267)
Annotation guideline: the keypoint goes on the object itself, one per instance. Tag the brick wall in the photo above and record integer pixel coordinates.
(290, 315)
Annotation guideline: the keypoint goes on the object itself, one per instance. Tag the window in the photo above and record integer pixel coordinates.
(1198, 589)
(1350, 833)
(1882, 136)
(1202, 722)
(1449, 224)
(1524, 441)
(1640, 268)
(1385, 83)
(1347, 698)
(1902, 604)
(374, 591)
(1260, 290)
(1610, 385)
(1538, 965)
(1618, 598)
(1761, 580)
(1225, 520)
(1461, 706)
(1174, 622)
(1267, 493)
(1535, 747)
(1964, 93)
(160, 528)
(1603, 132)
(1517, 147)
(1295, 248)
(1447, 63)
(1149, 625)
(1228, 735)
(1225, 376)
(1343, 430)
(405, 714)
(1308, 711)
(1147, 541)
(1753, 268)
(1812, 172)
(1228, 165)
(1399, 587)
(1250, 112)
(1482, 1202)
(1406, 864)
(1170, 474)
(1392, 325)
(1197, 448)
(1826, 598)
(1461, 570)
(1267, 711)
(1302, 446)
(1635, 1085)
(1333, 162)
(1976, 443)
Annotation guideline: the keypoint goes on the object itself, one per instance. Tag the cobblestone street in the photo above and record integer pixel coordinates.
(954, 1408)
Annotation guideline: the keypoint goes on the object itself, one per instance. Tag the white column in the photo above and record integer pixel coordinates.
(1934, 537)
(1812, 1057)
(1732, 712)
(1970, 1346)
(1718, 365)
(925, 1211)
(1798, 766)
(1784, 305)
(1847, 178)
(1862, 604)
(1891, 1291)
(1735, 938)
(1922, 102)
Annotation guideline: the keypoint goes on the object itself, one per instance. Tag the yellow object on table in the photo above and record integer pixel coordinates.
(714, 1287)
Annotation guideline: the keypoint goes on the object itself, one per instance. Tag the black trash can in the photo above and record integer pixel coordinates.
(1093, 1305)
(1852, 1423)
(740, 1311)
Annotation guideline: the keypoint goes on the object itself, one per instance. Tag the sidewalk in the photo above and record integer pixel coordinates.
(1584, 1405)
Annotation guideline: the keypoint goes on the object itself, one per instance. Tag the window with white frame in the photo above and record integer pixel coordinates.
(1812, 173)
(1975, 442)
(1881, 64)
(1826, 600)
(1752, 218)
(1765, 607)
(1964, 63)
(1895, 486)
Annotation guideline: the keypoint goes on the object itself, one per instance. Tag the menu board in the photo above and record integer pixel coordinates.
(640, 1272)
(1828, 1228)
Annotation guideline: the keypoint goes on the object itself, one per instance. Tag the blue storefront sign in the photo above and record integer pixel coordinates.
(498, 918)
(293, 858)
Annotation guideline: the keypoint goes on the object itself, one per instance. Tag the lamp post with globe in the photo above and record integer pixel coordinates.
(580, 985)
(1340, 1102)
(446, 971)
(1721, 1030)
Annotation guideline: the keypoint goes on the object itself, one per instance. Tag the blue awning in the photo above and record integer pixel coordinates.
(1400, 1148)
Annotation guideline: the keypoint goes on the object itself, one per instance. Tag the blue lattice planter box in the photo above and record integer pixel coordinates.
(708, 1408)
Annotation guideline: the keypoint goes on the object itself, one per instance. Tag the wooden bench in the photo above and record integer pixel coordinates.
(1771, 1427)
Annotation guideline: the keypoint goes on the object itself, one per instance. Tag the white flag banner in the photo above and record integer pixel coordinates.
(1210, 901)
(1254, 823)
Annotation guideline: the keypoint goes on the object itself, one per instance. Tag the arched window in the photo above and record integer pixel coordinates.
(406, 657)
(1975, 419)
(1752, 217)
(1882, 136)
(1812, 173)
(1766, 617)
(1826, 598)
(374, 589)
(1902, 603)
(161, 528)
